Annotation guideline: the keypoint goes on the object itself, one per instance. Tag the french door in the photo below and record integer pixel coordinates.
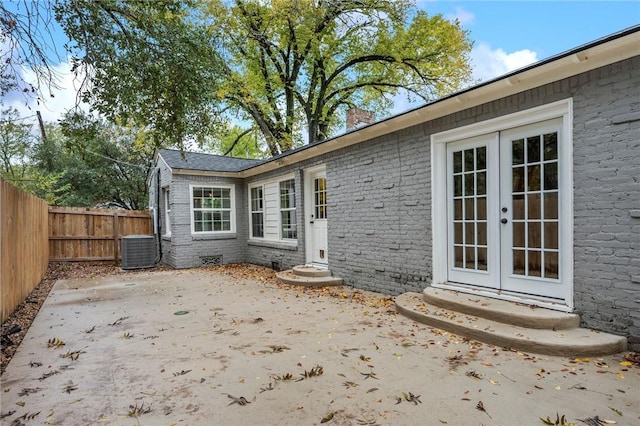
(503, 210)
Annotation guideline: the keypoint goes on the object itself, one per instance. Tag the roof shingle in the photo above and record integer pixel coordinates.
(207, 162)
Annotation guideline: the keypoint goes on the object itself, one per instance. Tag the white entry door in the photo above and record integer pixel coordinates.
(318, 253)
(504, 211)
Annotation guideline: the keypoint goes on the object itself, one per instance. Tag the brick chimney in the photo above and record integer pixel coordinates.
(357, 117)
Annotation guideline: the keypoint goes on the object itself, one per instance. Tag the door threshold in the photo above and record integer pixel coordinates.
(319, 265)
(526, 299)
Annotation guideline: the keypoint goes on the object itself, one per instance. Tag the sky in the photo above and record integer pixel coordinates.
(507, 35)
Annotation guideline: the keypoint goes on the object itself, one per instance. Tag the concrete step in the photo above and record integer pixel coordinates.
(289, 277)
(311, 271)
(520, 315)
(572, 342)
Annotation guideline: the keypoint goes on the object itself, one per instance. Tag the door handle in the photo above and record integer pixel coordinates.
(503, 220)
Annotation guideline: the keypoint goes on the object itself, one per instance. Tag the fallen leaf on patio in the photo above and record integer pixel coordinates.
(412, 398)
(72, 355)
(47, 375)
(7, 414)
(70, 387)
(240, 401)
(618, 412)
(315, 371)
(349, 385)
(560, 421)
(327, 417)
(267, 388)
(28, 391)
(55, 343)
(181, 373)
(370, 375)
(118, 321)
(620, 375)
(27, 416)
(480, 406)
(372, 390)
(596, 421)
(135, 410)
(473, 374)
(493, 382)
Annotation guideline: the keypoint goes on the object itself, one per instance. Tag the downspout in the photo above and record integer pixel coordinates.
(158, 225)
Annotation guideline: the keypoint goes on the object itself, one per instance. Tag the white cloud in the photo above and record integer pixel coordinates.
(489, 63)
(463, 16)
(51, 108)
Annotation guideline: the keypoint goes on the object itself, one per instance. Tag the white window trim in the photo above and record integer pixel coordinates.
(166, 191)
(264, 210)
(280, 209)
(560, 109)
(263, 183)
(232, 195)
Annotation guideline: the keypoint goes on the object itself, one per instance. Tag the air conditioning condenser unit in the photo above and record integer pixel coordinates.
(138, 251)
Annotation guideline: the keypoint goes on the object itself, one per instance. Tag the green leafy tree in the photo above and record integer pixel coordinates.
(236, 142)
(93, 163)
(290, 64)
(16, 140)
(284, 67)
(145, 61)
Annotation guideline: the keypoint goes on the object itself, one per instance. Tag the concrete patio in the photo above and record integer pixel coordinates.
(202, 347)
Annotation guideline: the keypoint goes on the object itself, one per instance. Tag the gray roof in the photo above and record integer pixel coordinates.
(207, 162)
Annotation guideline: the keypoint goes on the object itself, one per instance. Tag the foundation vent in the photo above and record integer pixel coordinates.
(211, 260)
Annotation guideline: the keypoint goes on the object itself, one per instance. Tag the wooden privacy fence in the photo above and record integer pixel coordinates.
(81, 234)
(24, 251)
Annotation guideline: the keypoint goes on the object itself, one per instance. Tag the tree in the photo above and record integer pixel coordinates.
(281, 66)
(15, 141)
(145, 61)
(236, 142)
(97, 164)
(314, 58)
(26, 41)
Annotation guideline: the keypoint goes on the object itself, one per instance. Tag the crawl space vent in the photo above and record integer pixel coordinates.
(138, 251)
(211, 260)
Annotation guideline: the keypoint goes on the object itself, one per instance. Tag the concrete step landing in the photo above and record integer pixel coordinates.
(309, 275)
(507, 324)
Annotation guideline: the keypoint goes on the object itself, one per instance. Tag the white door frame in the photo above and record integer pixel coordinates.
(561, 109)
(308, 210)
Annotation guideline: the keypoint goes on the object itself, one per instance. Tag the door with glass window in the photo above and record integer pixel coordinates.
(504, 212)
(318, 222)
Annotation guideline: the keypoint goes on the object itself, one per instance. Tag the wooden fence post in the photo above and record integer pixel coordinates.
(115, 237)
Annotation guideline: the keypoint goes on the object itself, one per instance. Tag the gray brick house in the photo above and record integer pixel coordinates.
(525, 188)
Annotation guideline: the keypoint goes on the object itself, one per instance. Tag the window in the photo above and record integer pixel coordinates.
(271, 208)
(212, 209)
(167, 212)
(288, 229)
(257, 212)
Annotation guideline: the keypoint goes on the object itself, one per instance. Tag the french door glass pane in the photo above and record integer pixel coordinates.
(470, 208)
(535, 238)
